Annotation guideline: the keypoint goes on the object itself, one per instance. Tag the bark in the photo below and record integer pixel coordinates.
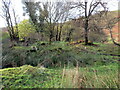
(60, 32)
(51, 34)
(68, 38)
(16, 25)
(86, 32)
(50, 38)
(8, 18)
(57, 33)
(86, 25)
(111, 35)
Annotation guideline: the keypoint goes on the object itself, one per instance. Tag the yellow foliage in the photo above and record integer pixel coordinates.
(25, 28)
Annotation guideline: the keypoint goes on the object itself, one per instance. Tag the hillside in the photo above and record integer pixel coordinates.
(56, 46)
(115, 29)
(78, 24)
(59, 64)
(116, 32)
(101, 22)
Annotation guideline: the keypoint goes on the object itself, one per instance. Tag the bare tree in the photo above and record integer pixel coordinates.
(89, 10)
(110, 23)
(48, 15)
(69, 34)
(11, 20)
(64, 13)
(57, 14)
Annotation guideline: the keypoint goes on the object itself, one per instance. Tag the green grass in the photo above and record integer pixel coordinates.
(37, 77)
(4, 35)
(29, 77)
(94, 71)
(59, 53)
(62, 59)
(93, 77)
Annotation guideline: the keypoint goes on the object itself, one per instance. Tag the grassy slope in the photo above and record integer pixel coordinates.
(33, 77)
(28, 77)
(100, 75)
(110, 15)
(61, 53)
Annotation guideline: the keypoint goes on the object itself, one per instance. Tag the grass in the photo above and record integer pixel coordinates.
(28, 77)
(4, 35)
(59, 53)
(94, 71)
(37, 77)
(92, 77)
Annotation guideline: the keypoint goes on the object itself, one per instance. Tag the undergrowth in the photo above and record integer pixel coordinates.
(27, 76)
(59, 53)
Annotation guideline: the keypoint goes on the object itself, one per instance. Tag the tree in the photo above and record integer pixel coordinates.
(64, 13)
(110, 23)
(11, 20)
(33, 10)
(25, 29)
(69, 34)
(96, 27)
(89, 9)
(48, 15)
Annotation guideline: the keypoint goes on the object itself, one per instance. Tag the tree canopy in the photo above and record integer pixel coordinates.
(25, 28)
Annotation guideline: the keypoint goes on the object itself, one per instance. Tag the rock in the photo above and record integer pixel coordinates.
(43, 44)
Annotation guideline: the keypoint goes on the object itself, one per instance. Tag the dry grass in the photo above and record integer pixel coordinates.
(88, 78)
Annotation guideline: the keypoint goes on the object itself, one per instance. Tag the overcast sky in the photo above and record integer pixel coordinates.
(113, 5)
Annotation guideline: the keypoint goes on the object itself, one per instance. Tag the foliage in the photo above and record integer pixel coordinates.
(38, 77)
(59, 54)
(29, 77)
(37, 63)
(93, 68)
(25, 28)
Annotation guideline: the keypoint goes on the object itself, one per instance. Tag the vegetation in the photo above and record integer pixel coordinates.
(37, 77)
(61, 65)
(25, 26)
(56, 49)
(59, 53)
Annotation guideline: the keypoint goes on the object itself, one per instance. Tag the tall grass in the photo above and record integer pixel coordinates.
(97, 77)
(37, 77)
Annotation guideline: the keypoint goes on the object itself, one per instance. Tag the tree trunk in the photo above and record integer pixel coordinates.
(59, 37)
(50, 39)
(51, 36)
(86, 32)
(86, 25)
(57, 34)
(113, 38)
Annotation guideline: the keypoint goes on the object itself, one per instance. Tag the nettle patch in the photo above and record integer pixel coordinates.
(30, 77)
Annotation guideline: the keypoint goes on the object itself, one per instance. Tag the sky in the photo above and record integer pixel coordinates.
(17, 4)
